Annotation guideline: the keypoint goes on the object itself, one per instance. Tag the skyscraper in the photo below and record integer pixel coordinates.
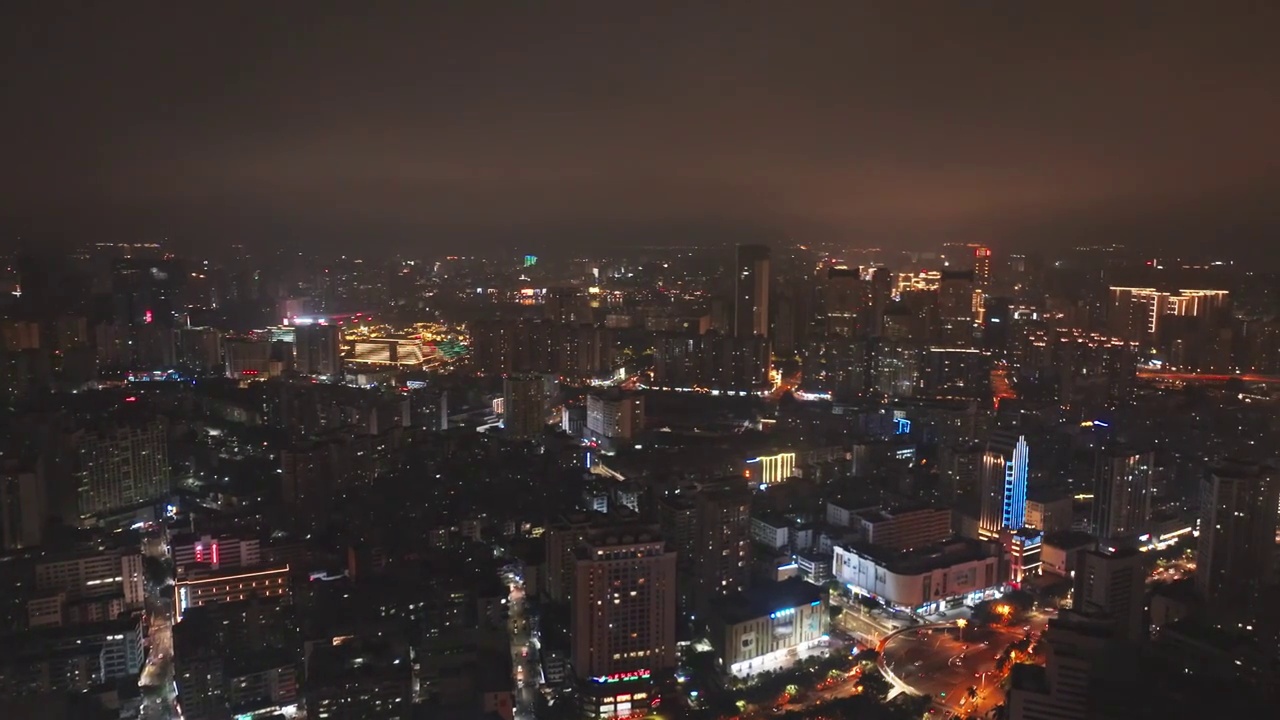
(1121, 492)
(523, 411)
(623, 624)
(1235, 557)
(751, 291)
(1003, 484)
(958, 306)
(843, 299)
(318, 349)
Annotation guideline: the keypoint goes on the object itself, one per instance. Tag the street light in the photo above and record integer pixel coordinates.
(962, 623)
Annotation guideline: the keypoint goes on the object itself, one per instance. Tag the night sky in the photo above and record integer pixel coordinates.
(437, 125)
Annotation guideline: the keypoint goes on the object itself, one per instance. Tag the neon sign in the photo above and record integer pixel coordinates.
(622, 677)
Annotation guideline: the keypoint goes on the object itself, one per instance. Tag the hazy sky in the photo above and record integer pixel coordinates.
(438, 124)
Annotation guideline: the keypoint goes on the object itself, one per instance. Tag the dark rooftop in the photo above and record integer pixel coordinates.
(764, 599)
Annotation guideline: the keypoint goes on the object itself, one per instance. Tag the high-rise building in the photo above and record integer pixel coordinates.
(318, 350)
(1137, 313)
(614, 417)
(751, 291)
(1121, 492)
(970, 256)
(722, 545)
(711, 361)
(199, 349)
(1002, 484)
(623, 621)
(1062, 688)
(844, 299)
(1112, 583)
(524, 412)
(120, 467)
(1235, 557)
(959, 307)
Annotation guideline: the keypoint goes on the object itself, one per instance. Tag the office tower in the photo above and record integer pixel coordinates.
(751, 291)
(1121, 492)
(1002, 484)
(523, 407)
(1235, 557)
(722, 546)
(1112, 583)
(318, 350)
(623, 621)
(119, 467)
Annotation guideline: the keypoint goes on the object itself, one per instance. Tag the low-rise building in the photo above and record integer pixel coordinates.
(902, 528)
(926, 580)
(758, 629)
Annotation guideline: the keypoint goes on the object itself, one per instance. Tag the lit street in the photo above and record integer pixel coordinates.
(526, 674)
(159, 692)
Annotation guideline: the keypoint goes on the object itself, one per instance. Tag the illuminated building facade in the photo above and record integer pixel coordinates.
(1003, 484)
(213, 552)
(390, 351)
(1138, 313)
(1023, 548)
(771, 469)
(623, 622)
(755, 631)
(230, 587)
(923, 581)
(970, 256)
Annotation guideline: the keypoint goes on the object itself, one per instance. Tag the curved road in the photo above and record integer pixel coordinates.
(937, 661)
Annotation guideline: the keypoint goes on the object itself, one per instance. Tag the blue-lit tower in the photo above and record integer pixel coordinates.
(1015, 487)
(1003, 484)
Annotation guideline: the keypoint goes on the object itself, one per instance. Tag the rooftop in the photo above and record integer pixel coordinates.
(763, 600)
(933, 557)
